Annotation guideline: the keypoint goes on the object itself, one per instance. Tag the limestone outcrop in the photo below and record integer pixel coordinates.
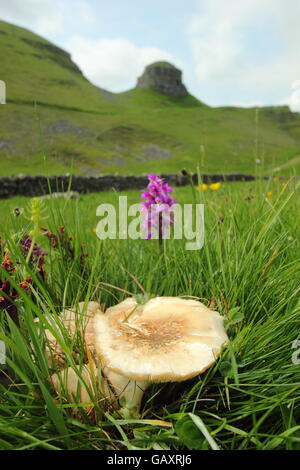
(164, 78)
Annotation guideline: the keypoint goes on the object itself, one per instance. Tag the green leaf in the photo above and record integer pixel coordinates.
(225, 369)
(235, 316)
(122, 401)
(189, 434)
(143, 298)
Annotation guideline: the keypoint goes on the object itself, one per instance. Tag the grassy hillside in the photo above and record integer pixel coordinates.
(55, 120)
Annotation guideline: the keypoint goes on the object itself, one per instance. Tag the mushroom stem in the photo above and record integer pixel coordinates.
(113, 388)
(131, 390)
(75, 384)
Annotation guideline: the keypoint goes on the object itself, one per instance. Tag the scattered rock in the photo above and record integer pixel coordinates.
(155, 152)
(282, 114)
(66, 195)
(65, 127)
(4, 144)
(113, 161)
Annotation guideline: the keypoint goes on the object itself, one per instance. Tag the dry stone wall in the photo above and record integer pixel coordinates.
(39, 185)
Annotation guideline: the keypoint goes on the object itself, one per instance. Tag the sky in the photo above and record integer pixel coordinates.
(231, 52)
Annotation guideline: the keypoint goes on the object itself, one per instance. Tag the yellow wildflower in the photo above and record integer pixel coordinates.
(203, 187)
(269, 196)
(215, 186)
(275, 178)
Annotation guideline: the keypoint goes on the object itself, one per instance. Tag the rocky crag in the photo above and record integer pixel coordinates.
(163, 77)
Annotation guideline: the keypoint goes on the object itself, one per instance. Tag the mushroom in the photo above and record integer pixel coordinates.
(167, 339)
(81, 384)
(68, 380)
(79, 318)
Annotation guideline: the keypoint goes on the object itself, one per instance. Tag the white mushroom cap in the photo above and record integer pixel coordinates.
(166, 339)
(128, 308)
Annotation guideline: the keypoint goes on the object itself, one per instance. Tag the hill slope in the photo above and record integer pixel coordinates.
(56, 119)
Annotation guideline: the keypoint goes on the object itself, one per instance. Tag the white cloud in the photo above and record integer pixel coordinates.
(115, 63)
(293, 101)
(216, 35)
(251, 44)
(84, 11)
(43, 16)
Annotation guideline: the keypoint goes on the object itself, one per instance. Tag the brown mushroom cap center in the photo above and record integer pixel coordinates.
(151, 334)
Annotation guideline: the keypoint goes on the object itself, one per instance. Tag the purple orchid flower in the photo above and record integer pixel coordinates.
(156, 207)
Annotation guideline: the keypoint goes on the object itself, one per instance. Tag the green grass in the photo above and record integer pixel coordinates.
(232, 137)
(250, 262)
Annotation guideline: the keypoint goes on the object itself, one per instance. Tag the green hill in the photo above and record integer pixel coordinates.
(56, 119)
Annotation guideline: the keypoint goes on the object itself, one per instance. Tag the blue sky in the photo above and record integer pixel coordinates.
(231, 52)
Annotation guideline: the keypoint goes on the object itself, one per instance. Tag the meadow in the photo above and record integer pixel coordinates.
(68, 119)
(248, 270)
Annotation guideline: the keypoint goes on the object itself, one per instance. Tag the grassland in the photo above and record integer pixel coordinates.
(55, 119)
(249, 265)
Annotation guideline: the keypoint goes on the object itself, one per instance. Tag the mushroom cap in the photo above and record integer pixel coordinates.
(129, 307)
(166, 339)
